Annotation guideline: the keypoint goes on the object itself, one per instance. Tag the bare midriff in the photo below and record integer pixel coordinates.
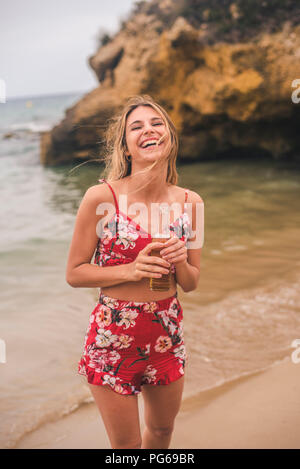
(139, 291)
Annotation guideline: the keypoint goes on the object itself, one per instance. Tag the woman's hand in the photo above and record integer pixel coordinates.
(146, 265)
(174, 251)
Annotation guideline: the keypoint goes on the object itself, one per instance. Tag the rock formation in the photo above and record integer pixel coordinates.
(224, 74)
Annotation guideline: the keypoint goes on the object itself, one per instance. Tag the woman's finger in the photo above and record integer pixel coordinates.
(177, 243)
(180, 258)
(152, 268)
(173, 254)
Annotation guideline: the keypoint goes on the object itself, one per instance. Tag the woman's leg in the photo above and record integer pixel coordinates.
(161, 404)
(120, 416)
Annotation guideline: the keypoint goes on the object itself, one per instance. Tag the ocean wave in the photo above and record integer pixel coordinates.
(32, 126)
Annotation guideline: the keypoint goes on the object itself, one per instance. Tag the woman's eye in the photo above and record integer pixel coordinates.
(159, 123)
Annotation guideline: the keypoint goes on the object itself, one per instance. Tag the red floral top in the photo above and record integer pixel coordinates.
(121, 239)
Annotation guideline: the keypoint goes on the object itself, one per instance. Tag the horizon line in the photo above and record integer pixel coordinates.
(13, 98)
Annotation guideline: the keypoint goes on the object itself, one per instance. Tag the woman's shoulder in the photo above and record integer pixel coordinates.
(97, 193)
(95, 190)
(191, 195)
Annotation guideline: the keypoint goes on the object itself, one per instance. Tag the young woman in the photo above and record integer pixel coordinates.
(134, 342)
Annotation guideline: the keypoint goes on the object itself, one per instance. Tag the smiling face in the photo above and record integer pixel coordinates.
(144, 124)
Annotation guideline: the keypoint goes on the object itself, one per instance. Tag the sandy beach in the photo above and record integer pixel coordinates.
(260, 411)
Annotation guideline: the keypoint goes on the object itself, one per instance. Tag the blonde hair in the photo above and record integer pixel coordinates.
(116, 164)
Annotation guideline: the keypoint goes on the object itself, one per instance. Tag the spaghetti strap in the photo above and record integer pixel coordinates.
(186, 196)
(113, 192)
(116, 202)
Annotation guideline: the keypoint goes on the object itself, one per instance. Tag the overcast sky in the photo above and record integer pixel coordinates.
(44, 45)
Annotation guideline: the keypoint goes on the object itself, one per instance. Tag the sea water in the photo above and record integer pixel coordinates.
(242, 318)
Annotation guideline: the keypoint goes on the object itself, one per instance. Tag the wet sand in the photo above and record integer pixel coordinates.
(260, 411)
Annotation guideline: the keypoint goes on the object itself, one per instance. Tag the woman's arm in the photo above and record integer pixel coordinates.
(188, 271)
(89, 276)
(187, 276)
(80, 272)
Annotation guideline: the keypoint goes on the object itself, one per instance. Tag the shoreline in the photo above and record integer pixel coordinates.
(257, 411)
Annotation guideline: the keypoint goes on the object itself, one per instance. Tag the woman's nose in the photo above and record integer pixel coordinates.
(148, 127)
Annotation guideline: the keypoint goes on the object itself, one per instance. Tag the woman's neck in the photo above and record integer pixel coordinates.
(153, 186)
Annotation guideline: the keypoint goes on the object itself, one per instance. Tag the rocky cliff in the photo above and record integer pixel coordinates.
(222, 69)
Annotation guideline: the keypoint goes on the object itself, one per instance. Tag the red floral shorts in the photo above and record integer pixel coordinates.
(129, 343)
